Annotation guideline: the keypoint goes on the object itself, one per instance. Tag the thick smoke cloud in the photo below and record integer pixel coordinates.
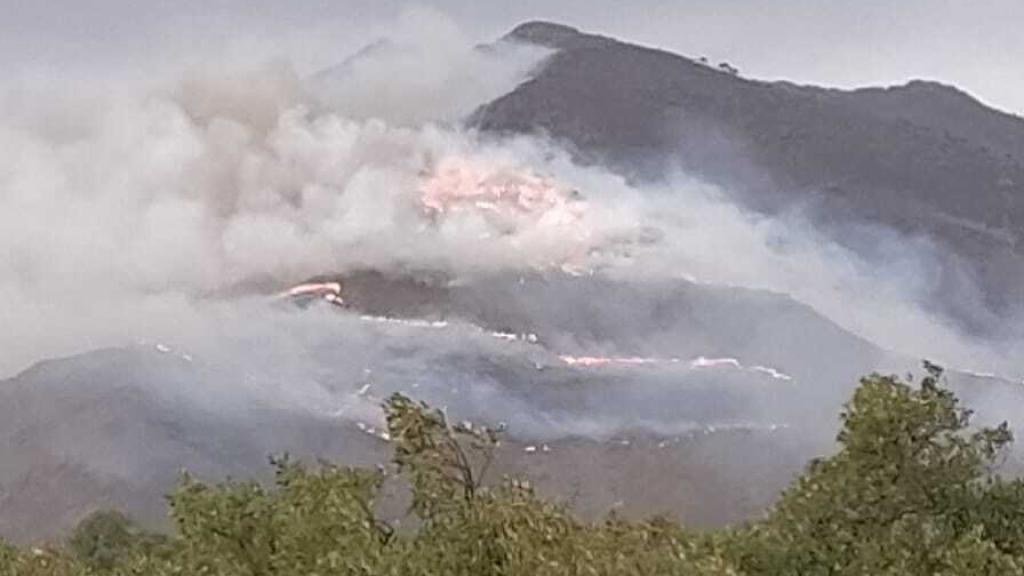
(119, 212)
(161, 217)
(425, 70)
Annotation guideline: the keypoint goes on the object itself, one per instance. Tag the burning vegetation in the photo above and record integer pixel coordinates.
(507, 199)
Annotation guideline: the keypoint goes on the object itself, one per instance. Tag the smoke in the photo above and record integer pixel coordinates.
(121, 214)
(426, 70)
(159, 217)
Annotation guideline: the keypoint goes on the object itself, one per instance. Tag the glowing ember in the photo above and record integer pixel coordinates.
(327, 291)
(772, 372)
(509, 199)
(700, 362)
(611, 361)
(411, 322)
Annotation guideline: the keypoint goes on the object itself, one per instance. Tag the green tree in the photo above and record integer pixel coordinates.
(898, 497)
(39, 562)
(313, 521)
(107, 537)
(471, 528)
(446, 465)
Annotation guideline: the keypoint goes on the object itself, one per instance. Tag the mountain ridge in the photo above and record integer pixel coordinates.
(921, 159)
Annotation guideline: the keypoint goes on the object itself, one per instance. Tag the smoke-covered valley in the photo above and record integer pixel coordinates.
(149, 237)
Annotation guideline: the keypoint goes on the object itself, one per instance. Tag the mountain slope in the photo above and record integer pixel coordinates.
(94, 432)
(115, 427)
(922, 159)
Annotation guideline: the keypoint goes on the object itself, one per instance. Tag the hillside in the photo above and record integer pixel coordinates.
(683, 397)
(921, 160)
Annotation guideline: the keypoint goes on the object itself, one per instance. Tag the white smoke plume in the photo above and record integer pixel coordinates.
(127, 217)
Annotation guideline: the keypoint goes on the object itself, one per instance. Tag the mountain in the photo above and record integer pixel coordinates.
(635, 394)
(710, 438)
(114, 428)
(921, 160)
(699, 384)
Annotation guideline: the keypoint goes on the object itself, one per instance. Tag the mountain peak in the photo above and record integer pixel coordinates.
(932, 88)
(543, 33)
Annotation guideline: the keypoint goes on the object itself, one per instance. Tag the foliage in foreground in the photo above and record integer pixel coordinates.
(910, 491)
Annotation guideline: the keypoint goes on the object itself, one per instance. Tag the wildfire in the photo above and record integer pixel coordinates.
(328, 291)
(700, 362)
(589, 361)
(509, 199)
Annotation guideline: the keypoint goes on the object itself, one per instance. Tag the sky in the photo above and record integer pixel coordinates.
(974, 45)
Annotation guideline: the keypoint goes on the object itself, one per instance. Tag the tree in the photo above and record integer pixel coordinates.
(474, 529)
(899, 496)
(105, 537)
(312, 521)
(444, 463)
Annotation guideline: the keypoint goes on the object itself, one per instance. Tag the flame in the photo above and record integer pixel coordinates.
(539, 216)
(700, 362)
(589, 361)
(328, 291)
(509, 199)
